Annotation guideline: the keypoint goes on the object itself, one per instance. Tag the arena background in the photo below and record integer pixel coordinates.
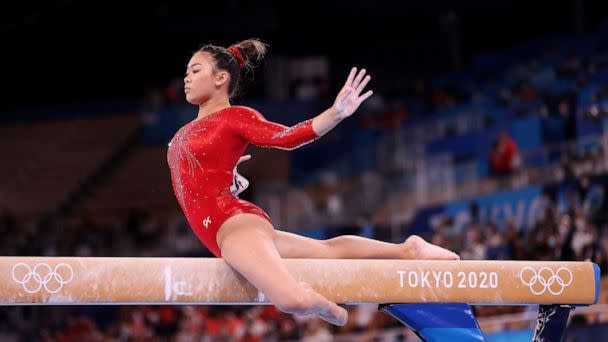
(92, 95)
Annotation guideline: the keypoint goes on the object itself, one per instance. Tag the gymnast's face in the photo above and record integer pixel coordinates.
(203, 81)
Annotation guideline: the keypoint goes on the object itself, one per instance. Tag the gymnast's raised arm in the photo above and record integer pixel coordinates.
(257, 130)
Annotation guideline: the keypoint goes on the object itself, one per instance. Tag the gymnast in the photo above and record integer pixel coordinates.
(203, 155)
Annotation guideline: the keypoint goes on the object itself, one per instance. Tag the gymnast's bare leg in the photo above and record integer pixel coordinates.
(292, 245)
(247, 243)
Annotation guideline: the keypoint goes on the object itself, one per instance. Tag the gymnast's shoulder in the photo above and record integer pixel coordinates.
(245, 111)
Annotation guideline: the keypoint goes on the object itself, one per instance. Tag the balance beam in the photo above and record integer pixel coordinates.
(100, 280)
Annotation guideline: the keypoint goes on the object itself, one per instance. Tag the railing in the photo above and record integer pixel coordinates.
(469, 119)
(428, 174)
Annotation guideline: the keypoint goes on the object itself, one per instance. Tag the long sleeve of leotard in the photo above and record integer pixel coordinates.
(253, 127)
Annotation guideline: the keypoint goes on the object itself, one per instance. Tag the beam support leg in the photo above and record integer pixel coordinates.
(551, 323)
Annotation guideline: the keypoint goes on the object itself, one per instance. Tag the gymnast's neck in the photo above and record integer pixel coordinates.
(212, 105)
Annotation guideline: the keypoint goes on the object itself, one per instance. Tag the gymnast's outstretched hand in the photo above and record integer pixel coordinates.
(349, 98)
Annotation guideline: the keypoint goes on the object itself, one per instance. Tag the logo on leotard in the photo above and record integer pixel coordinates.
(207, 221)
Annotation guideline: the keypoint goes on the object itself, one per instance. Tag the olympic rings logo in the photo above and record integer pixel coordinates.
(42, 275)
(546, 280)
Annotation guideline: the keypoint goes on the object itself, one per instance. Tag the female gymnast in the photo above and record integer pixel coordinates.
(203, 155)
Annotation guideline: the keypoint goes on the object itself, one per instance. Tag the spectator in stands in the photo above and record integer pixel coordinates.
(544, 235)
(464, 219)
(526, 91)
(505, 97)
(583, 237)
(496, 246)
(504, 156)
(392, 119)
(569, 68)
(515, 241)
(601, 254)
(591, 196)
(441, 99)
(174, 92)
(475, 247)
(565, 234)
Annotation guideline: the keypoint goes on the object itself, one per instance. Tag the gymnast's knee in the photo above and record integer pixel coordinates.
(333, 241)
(332, 246)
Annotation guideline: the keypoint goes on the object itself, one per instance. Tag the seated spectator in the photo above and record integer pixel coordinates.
(526, 91)
(504, 157)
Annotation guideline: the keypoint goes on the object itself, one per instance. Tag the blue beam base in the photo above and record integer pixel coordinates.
(438, 321)
(434, 322)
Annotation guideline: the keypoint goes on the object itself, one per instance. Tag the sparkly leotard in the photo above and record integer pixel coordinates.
(203, 154)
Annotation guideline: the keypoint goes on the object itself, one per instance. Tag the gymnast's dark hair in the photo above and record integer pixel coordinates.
(251, 51)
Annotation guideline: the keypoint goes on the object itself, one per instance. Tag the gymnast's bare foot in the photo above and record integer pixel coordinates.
(326, 309)
(414, 247)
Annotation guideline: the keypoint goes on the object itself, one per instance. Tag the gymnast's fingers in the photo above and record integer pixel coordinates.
(350, 78)
(364, 96)
(358, 78)
(244, 158)
(362, 85)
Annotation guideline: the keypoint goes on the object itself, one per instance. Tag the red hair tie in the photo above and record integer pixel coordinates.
(236, 52)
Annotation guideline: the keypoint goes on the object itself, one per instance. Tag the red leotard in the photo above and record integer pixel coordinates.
(203, 154)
